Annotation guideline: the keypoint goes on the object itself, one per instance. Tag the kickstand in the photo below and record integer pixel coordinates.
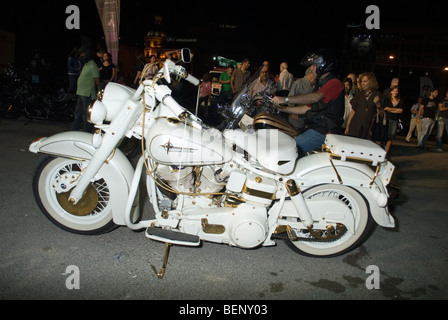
(165, 261)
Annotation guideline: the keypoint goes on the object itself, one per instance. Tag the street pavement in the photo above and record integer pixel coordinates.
(40, 261)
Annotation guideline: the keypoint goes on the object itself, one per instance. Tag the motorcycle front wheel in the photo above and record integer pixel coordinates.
(335, 242)
(93, 213)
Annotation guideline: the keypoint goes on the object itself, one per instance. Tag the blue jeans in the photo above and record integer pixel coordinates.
(441, 124)
(81, 115)
(427, 126)
(309, 141)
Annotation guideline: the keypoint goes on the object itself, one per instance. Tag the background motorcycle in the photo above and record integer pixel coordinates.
(21, 97)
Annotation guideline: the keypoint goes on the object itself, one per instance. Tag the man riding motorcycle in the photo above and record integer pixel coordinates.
(324, 107)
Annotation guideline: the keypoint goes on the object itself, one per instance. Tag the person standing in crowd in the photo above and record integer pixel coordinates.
(74, 68)
(358, 83)
(365, 106)
(262, 83)
(393, 83)
(442, 122)
(354, 79)
(99, 56)
(348, 85)
(393, 107)
(151, 67)
(240, 77)
(138, 69)
(107, 70)
(226, 94)
(88, 84)
(285, 80)
(301, 86)
(205, 92)
(324, 107)
(415, 123)
(428, 111)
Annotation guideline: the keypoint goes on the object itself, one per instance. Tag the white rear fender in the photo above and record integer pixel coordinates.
(316, 169)
(78, 145)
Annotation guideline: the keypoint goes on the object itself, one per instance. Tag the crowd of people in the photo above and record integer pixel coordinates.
(319, 103)
(316, 104)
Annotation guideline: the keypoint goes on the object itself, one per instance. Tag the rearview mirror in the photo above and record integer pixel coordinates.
(186, 55)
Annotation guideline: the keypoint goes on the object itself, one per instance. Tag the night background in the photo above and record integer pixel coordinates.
(273, 31)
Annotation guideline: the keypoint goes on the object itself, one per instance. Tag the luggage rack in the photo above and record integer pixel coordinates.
(355, 150)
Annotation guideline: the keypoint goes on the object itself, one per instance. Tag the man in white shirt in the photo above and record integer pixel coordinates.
(285, 79)
(262, 83)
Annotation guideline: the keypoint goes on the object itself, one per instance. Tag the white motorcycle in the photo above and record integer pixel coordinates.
(241, 188)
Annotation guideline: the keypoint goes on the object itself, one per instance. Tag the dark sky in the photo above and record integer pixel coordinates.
(288, 27)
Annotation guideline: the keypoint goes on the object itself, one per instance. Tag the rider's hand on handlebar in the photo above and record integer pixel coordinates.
(279, 102)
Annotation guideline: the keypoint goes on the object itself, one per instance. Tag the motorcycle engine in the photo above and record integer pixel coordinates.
(204, 179)
(249, 225)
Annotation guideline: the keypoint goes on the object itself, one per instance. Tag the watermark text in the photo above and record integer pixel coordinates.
(73, 279)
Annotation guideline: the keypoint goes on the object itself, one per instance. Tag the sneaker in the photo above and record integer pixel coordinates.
(439, 150)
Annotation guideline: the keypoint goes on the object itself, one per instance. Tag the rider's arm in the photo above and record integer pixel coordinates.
(294, 109)
(301, 99)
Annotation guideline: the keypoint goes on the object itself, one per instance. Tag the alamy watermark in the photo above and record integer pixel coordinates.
(73, 20)
(373, 281)
(73, 279)
(373, 20)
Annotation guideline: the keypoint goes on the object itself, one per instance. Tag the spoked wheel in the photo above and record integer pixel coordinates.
(335, 240)
(53, 180)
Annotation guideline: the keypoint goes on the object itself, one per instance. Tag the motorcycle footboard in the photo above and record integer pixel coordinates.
(173, 237)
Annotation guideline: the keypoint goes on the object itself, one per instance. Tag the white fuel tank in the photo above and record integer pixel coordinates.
(176, 143)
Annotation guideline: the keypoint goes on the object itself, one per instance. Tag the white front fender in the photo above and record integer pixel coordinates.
(69, 144)
(316, 169)
(78, 145)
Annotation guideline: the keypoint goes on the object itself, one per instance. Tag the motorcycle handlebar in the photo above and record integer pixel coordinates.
(175, 107)
(193, 80)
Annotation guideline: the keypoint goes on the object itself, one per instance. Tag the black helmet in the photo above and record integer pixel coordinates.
(323, 59)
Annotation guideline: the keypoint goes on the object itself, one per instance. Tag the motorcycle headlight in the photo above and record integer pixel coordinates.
(97, 113)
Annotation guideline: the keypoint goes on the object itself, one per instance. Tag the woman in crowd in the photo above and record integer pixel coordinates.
(393, 107)
(107, 70)
(366, 105)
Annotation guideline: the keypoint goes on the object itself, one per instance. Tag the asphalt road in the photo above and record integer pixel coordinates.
(35, 254)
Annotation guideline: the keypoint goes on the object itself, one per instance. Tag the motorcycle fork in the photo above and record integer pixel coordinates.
(113, 134)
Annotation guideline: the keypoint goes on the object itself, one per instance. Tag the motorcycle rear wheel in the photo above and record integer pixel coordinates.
(341, 241)
(92, 215)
